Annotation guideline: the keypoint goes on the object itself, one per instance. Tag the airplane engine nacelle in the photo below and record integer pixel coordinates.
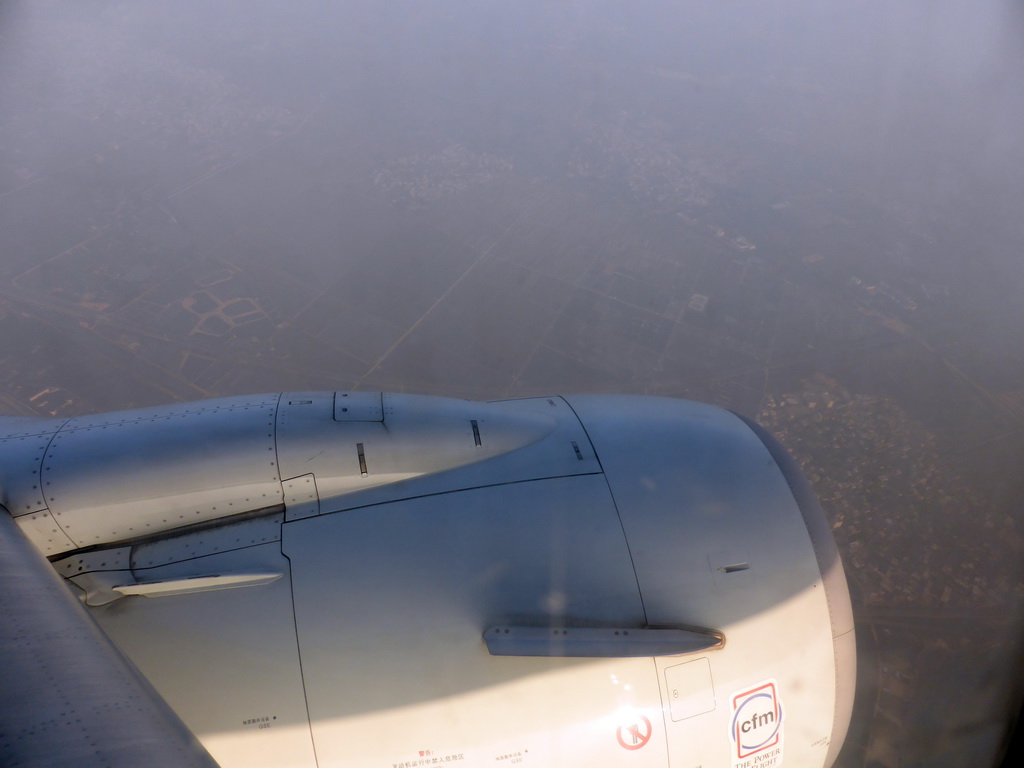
(724, 531)
(361, 579)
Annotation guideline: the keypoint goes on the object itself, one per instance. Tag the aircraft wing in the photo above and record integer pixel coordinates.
(68, 696)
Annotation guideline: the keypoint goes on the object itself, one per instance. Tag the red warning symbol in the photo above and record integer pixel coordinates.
(635, 734)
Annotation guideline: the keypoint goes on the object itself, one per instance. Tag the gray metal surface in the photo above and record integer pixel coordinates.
(404, 591)
(21, 458)
(591, 642)
(698, 493)
(69, 697)
(125, 476)
(394, 544)
(132, 474)
(425, 445)
(23, 443)
(521, 440)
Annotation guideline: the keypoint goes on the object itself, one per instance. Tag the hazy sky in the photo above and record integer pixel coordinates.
(917, 104)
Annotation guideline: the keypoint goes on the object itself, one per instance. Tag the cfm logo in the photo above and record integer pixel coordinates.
(756, 719)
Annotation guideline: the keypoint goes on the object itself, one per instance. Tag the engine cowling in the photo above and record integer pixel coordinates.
(356, 578)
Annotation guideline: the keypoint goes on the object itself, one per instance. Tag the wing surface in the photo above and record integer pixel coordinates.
(68, 696)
